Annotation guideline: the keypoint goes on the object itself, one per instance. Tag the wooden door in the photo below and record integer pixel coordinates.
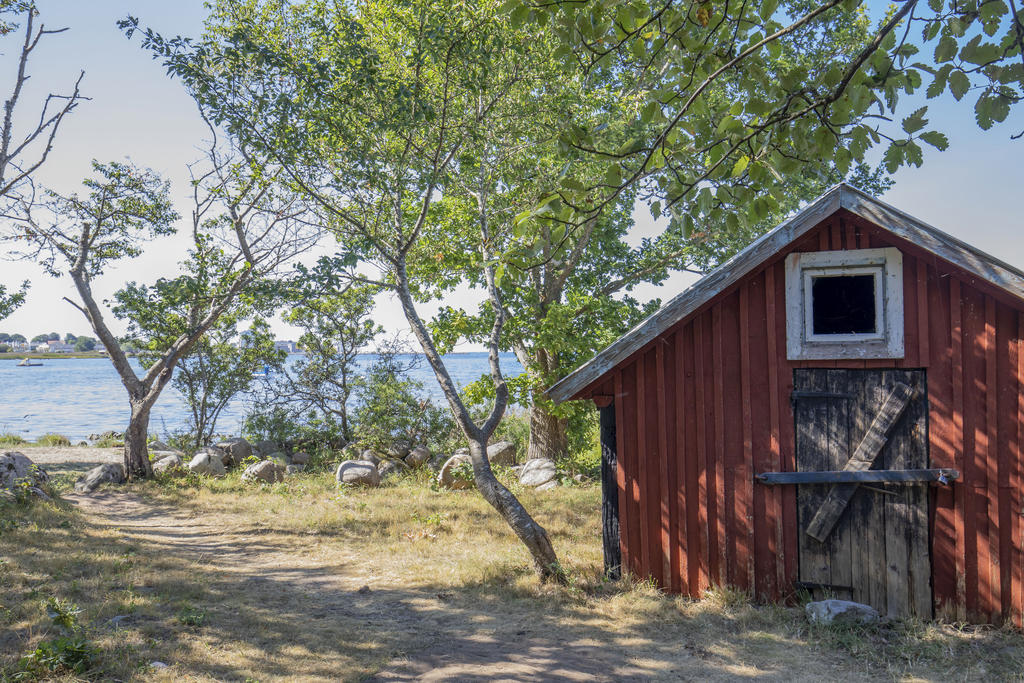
(878, 551)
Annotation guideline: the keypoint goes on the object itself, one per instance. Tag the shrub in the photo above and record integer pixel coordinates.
(72, 654)
(53, 440)
(11, 439)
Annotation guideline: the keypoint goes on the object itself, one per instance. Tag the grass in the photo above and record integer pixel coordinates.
(53, 440)
(304, 581)
(11, 439)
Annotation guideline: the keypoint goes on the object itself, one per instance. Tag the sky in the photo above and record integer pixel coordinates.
(136, 111)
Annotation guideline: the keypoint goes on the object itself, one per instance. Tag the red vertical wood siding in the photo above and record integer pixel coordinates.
(705, 406)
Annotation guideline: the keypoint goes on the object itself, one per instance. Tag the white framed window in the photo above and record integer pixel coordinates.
(844, 304)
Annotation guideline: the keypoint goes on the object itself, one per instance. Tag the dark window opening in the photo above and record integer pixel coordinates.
(843, 304)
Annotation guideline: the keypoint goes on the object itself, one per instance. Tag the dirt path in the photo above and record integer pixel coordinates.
(433, 639)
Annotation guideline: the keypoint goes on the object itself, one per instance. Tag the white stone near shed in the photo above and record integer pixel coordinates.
(840, 612)
(537, 472)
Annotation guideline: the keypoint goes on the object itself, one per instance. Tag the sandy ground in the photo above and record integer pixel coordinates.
(70, 459)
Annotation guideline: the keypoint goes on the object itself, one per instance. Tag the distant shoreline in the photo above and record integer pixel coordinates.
(15, 355)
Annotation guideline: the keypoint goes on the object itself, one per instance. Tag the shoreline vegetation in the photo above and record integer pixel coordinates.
(13, 355)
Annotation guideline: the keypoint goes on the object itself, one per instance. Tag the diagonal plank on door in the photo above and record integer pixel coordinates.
(867, 450)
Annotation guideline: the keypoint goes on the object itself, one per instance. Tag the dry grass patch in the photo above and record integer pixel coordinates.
(303, 581)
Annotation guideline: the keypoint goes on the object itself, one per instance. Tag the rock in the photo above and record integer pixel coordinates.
(358, 472)
(399, 449)
(207, 464)
(300, 458)
(109, 435)
(83, 443)
(236, 451)
(351, 452)
(537, 472)
(155, 455)
(418, 457)
(446, 477)
(264, 448)
(16, 467)
(154, 445)
(370, 456)
(580, 478)
(158, 666)
(167, 463)
(293, 469)
(218, 453)
(280, 457)
(387, 467)
(266, 471)
(840, 612)
(546, 486)
(502, 453)
(110, 472)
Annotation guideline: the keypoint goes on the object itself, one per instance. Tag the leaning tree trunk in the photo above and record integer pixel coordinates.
(136, 448)
(549, 435)
(532, 534)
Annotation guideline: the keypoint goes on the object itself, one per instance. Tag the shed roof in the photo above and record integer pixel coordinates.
(841, 196)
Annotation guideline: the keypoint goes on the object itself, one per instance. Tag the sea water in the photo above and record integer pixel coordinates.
(77, 397)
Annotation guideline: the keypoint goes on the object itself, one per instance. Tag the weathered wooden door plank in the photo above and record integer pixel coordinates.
(867, 450)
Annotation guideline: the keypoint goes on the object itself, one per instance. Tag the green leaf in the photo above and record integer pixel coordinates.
(915, 121)
(959, 84)
(946, 49)
(893, 157)
(740, 166)
(935, 139)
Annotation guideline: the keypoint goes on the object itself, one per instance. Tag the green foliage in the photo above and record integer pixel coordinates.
(733, 99)
(336, 328)
(216, 370)
(391, 408)
(192, 616)
(83, 344)
(11, 439)
(9, 302)
(53, 440)
(72, 654)
(123, 207)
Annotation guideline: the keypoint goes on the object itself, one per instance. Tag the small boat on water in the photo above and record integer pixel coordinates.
(28, 363)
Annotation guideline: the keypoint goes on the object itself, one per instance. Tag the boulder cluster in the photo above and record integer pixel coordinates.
(267, 462)
(272, 462)
(370, 467)
(19, 474)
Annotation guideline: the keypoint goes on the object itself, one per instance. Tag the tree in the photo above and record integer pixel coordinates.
(23, 154)
(219, 368)
(10, 302)
(369, 111)
(563, 287)
(83, 344)
(336, 328)
(721, 122)
(242, 228)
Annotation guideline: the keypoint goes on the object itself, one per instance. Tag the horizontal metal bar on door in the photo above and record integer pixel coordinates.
(942, 475)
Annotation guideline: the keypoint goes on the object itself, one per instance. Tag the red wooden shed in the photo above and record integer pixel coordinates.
(838, 408)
